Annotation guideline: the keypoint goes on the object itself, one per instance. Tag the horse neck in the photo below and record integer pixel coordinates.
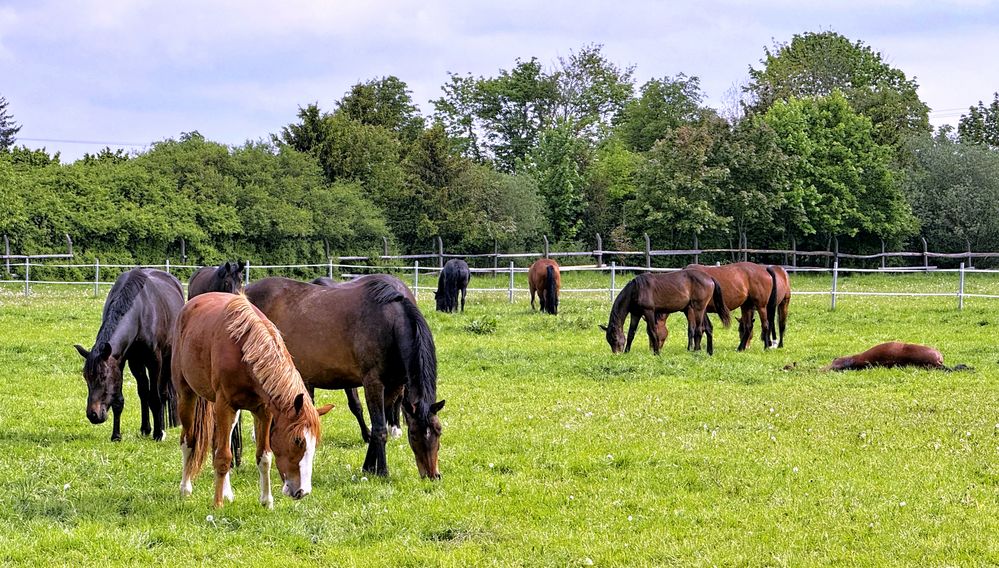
(120, 332)
(619, 310)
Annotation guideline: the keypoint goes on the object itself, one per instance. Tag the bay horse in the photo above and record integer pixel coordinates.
(226, 277)
(453, 279)
(136, 328)
(227, 357)
(751, 287)
(353, 401)
(893, 354)
(653, 297)
(544, 279)
(368, 335)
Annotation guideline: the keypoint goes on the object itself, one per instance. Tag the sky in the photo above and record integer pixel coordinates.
(82, 75)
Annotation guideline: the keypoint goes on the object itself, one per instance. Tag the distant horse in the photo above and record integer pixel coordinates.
(544, 279)
(892, 354)
(136, 328)
(368, 335)
(226, 277)
(748, 286)
(453, 279)
(654, 296)
(782, 286)
(228, 356)
(353, 401)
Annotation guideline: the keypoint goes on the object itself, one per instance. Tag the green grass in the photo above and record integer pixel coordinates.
(554, 451)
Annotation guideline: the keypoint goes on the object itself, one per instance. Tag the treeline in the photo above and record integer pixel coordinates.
(825, 139)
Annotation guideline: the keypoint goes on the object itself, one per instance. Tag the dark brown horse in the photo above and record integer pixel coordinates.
(367, 335)
(544, 279)
(453, 279)
(891, 354)
(136, 328)
(226, 277)
(228, 356)
(653, 297)
(751, 287)
(353, 401)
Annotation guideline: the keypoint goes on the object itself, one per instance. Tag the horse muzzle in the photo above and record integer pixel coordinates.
(97, 415)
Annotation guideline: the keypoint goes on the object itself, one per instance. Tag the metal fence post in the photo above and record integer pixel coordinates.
(511, 281)
(613, 287)
(330, 267)
(27, 277)
(960, 289)
(794, 252)
(416, 279)
(247, 273)
(167, 266)
(545, 237)
(97, 276)
(834, 282)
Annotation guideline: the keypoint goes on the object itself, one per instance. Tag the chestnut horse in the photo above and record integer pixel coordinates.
(228, 356)
(544, 279)
(751, 287)
(368, 335)
(136, 328)
(892, 354)
(654, 296)
(782, 286)
(226, 277)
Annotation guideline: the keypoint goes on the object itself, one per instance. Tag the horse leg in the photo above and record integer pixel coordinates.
(374, 395)
(632, 328)
(694, 320)
(186, 400)
(764, 328)
(709, 331)
(262, 428)
(464, 291)
(155, 402)
(225, 420)
(142, 386)
(650, 328)
(354, 404)
(117, 405)
(393, 409)
(782, 318)
(531, 286)
(745, 327)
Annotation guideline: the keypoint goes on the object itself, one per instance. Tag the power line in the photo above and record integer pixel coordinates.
(61, 141)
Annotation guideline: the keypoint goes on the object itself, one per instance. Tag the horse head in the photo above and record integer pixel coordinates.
(102, 370)
(424, 437)
(615, 337)
(294, 437)
(229, 277)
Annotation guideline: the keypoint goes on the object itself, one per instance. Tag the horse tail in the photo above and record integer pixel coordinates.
(169, 397)
(552, 292)
(720, 307)
(203, 433)
(419, 356)
(772, 304)
(451, 290)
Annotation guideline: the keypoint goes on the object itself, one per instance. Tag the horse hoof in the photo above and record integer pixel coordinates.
(267, 503)
(395, 432)
(159, 437)
(115, 437)
(145, 431)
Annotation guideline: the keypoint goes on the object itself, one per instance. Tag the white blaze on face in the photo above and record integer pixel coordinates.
(305, 466)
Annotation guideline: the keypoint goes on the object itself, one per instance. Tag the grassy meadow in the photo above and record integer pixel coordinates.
(554, 452)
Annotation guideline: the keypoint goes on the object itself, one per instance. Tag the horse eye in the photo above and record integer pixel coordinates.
(298, 441)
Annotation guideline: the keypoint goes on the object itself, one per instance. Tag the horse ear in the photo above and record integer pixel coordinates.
(299, 402)
(324, 409)
(82, 351)
(602, 326)
(240, 266)
(105, 350)
(226, 267)
(437, 406)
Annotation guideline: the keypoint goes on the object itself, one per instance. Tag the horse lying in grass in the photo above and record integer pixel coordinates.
(893, 354)
(654, 296)
(136, 328)
(228, 356)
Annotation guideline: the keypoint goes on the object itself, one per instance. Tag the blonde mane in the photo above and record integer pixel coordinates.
(264, 351)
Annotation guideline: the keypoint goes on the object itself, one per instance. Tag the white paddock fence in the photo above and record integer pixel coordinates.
(414, 272)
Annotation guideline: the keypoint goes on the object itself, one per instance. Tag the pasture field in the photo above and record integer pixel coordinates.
(554, 452)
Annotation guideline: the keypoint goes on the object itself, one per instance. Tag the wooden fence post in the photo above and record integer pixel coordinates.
(183, 250)
(599, 256)
(926, 258)
(967, 242)
(960, 289)
(495, 257)
(883, 254)
(836, 249)
(648, 251)
(440, 252)
(794, 252)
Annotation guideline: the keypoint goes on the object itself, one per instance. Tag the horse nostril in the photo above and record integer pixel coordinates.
(299, 494)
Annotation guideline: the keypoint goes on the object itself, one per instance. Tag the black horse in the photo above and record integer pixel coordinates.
(453, 279)
(354, 401)
(367, 335)
(136, 328)
(226, 277)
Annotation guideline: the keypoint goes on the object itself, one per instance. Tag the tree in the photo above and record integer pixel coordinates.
(816, 64)
(7, 127)
(591, 91)
(556, 167)
(609, 185)
(981, 124)
(385, 102)
(843, 182)
(664, 104)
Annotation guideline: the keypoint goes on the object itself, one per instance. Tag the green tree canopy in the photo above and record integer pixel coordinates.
(8, 128)
(664, 104)
(981, 124)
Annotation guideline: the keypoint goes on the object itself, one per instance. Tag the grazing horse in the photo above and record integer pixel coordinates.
(368, 335)
(748, 286)
(892, 354)
(228, 356)
(136, 328)
(654, 296)
(353, 401)
(544, 279)
(453, 279)
(226, 277)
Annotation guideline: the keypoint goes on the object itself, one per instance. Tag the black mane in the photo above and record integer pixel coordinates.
(120, 301)
(382, 292)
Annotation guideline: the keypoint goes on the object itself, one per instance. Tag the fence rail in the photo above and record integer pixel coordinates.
(415, 270)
